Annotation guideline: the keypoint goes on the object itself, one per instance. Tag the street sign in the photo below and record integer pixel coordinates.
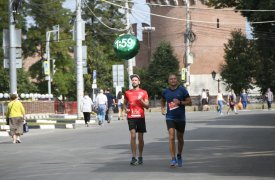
(18, 56)
(94, 76)
(46, 67)
(18, 63)
(118, 75)
(85, 70)
(17, 38)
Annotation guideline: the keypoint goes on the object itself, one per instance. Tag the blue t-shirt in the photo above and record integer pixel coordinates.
(244, 97)
(175, 112)
(110, 98)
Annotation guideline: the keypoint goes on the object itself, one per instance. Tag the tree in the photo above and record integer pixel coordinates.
(163, 62)
(100, 39)
(45, 15)
(240, 62)
(23, 82)
(262, 32)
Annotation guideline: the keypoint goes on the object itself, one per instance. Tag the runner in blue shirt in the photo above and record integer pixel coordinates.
(175, 97)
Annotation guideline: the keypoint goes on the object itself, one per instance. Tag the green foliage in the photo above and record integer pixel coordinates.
(45, 15)
(222, 3)
(100, 41)
(240, 62)
(262, 32)
(163, 63)
(23, 82)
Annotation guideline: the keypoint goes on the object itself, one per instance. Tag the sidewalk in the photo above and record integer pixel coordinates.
(66, 121)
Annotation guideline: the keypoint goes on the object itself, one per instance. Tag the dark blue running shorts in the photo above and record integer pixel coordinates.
(178, 125)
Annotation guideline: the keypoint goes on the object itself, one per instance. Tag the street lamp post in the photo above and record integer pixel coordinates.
(149, 30)
(48, 37)
(213, 73)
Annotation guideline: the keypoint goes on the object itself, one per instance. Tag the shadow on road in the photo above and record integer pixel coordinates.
(237, 145)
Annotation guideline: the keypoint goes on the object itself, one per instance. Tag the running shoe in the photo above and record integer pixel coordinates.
(179, 159)
(140, 160)
(173, 162)
(134, 161)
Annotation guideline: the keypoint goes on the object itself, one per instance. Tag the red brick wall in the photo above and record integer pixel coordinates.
(169, 30)
(208, 48)
(37, 107)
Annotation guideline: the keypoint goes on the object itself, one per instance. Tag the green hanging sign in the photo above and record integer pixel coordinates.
(126, 46)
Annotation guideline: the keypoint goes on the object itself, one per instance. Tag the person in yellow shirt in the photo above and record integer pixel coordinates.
(16, 115)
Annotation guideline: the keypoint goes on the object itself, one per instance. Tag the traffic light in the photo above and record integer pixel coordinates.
(183, 74)
(218, 23)
(46, 67)
(54, 66)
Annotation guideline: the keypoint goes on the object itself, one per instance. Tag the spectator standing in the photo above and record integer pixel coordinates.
(204, 99)
(231, 98)
(101, 105)
(269, 98)
(16, 115)
(120, 101)
(111, 103)
(244, 98)
(220, 102)
(86, 108)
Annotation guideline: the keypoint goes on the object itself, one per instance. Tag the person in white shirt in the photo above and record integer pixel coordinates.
(220, 102)
(86, 108)
(101, 105)
(204, 100)
(120, 101)
(269, 98)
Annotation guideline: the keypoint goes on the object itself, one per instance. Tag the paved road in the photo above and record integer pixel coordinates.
(216, 148)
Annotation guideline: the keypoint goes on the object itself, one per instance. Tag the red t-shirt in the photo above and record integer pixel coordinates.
(135, 106)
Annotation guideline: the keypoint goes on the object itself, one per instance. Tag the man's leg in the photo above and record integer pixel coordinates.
(110, 114)
(133, 147)
(104, 110)
(140, 147)
(172, 146)
(180, 142)
(180, 129)
(133, 142)
(269, 104)
(172, 142)
(140, 143)
(221, 106)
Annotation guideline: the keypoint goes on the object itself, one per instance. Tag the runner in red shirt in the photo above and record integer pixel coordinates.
(136, 100)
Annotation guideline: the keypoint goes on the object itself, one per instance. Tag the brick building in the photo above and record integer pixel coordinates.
(207, 49)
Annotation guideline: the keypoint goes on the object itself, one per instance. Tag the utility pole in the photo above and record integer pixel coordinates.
(12, 48)
(79, 68)
(48, 55)
(130, 61)
(48, 37)
(187, 46)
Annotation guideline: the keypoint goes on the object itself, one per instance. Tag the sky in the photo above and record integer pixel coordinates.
(140, 13)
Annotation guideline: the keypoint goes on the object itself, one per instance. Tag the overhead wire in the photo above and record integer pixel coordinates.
(179, 19)
(223, 9)
(115, 29)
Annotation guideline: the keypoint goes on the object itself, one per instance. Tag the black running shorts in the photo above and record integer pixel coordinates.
(138, 124)
(178, 125)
